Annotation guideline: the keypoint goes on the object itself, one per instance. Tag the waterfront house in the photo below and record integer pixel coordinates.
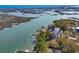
(55, 33)
(77, 29)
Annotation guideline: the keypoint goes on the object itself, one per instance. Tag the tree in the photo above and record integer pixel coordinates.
(66, 33)
(68, 46)
(41, 44)
(62, 23)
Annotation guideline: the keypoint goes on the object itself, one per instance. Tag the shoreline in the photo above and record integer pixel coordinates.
(10, 21)
(44, 29)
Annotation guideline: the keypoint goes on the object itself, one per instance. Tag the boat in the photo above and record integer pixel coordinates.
(23, 51)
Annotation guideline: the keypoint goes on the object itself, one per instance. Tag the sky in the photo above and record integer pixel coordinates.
(31, 6)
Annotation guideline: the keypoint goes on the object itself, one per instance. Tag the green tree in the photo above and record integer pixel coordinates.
(41, 44)
(62, 23)
(66, 33)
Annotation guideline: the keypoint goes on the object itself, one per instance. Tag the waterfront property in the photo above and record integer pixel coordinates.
(16, 27)
(58, 40)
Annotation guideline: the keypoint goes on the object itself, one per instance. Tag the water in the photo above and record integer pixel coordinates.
(19, 36)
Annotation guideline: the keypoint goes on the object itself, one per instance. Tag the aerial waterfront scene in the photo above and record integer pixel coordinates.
(39, 29)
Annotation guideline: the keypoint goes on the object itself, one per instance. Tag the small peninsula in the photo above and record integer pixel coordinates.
(62, 36)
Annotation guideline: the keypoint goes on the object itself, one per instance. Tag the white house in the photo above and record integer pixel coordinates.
(77, 29)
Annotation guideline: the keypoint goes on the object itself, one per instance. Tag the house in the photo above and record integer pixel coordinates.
(77, 29)
(55, 33)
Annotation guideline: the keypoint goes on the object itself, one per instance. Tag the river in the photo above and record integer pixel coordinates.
(19, 36)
